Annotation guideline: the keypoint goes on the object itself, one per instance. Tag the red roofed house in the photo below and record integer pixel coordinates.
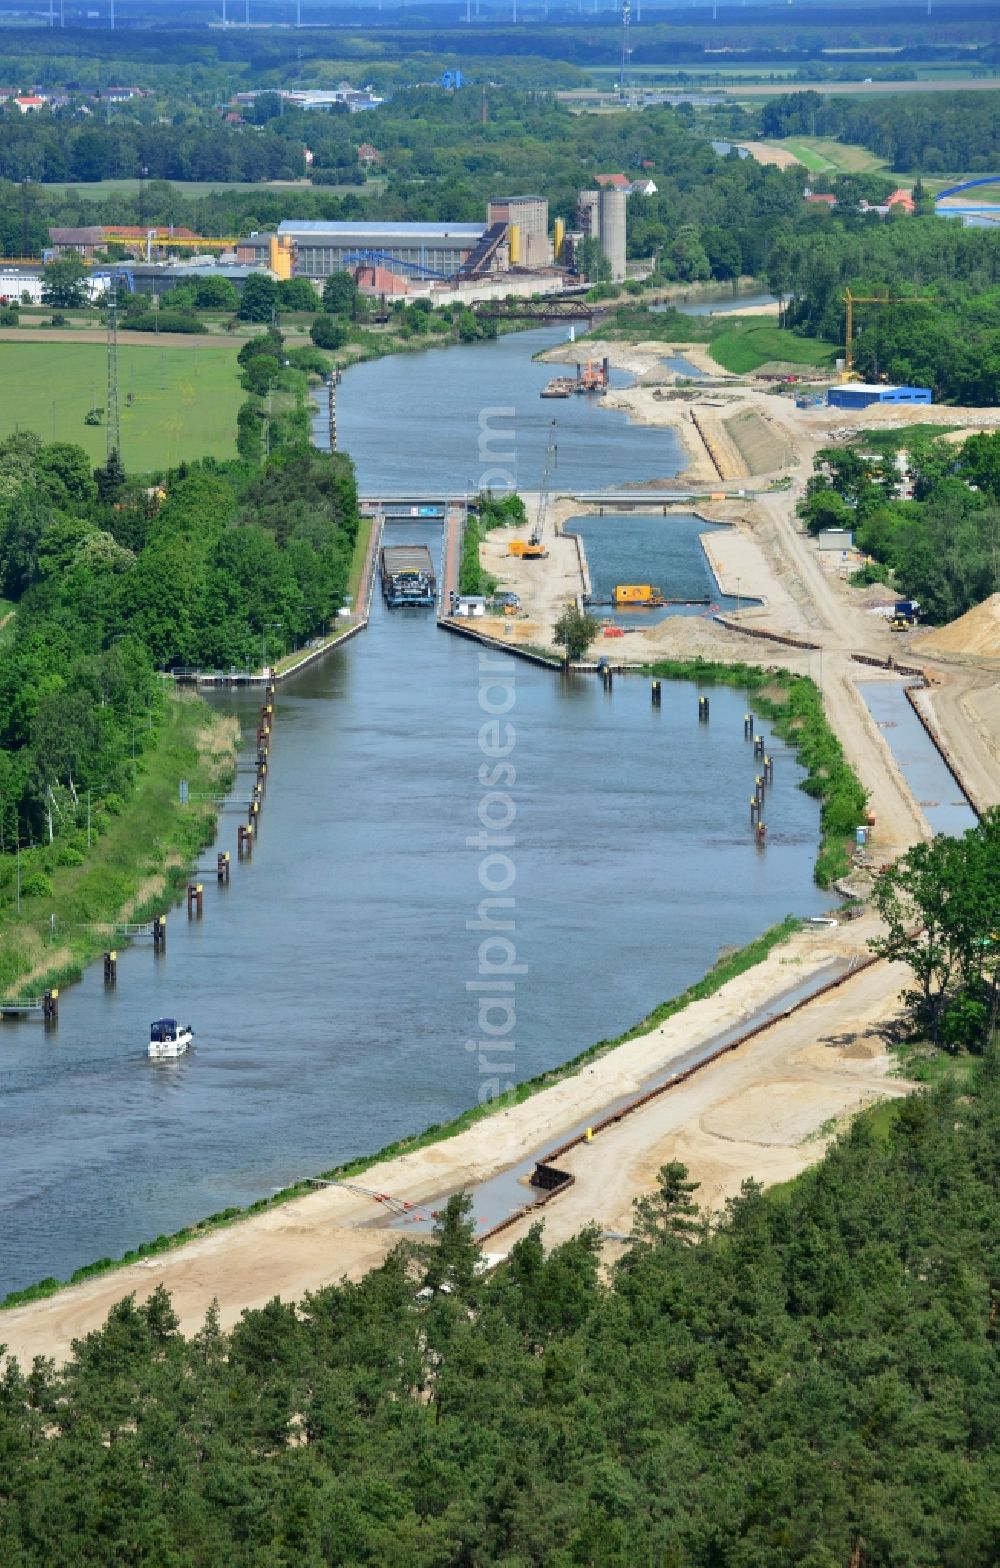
(620, 182)
(369, 154)
(30, 103)
(904, 199)
(822, 198)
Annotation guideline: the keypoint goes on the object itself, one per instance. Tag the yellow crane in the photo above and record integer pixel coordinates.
(850, 300)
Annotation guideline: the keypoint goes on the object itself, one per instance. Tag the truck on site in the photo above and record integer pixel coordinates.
(527, 550)
(904, 614)
(407, 575)
(639, 595)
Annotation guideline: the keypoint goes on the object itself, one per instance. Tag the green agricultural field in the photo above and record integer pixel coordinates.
(183, 404)
(746, 347)
(823, 154)
(802, 149)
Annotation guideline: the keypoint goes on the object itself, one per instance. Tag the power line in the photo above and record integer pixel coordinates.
(113, 421)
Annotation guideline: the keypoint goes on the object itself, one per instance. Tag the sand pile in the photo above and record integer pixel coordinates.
(877, 594)
(976, 632)
(693, 636)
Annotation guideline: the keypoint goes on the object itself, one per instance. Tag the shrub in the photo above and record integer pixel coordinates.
(36, 885)
(166, 321)
(328, 333)
(68, 856)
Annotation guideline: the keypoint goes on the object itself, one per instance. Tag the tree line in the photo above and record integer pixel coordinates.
(439, 161)
(217, 565)
(943, 545)
(810, 1382)
(927, 132)
(940, 325)
(940, 909)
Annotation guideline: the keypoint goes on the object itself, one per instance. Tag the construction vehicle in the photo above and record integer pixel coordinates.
(532, 549)
(638, 595)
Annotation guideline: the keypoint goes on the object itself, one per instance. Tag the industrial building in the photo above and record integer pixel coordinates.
(600, 215)
(161, 278)
(316, 249)
(588, 214)
(863, 394)
(527, 220)
(18, 286)
(26, 285)
(140, 240)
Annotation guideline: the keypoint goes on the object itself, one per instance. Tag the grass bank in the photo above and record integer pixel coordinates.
(740, 344)
(140, 853)
(794, 709)
(747, 345)
(726, 968)
(365, 526)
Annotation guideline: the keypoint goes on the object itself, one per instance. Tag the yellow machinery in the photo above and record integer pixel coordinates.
(527, 550)
(279, 256)
(642, 594)
(558, 235)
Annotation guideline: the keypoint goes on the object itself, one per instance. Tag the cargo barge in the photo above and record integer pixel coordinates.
(408, 575)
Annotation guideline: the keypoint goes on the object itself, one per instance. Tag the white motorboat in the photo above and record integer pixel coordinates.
(169, 1038)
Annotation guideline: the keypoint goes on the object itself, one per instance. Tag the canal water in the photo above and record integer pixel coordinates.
(332, 986)
(664, 551)
(935, 788)
(684, 367)
(719, 302)
(469, 415)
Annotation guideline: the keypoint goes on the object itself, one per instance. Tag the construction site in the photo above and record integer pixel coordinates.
(752, 1081)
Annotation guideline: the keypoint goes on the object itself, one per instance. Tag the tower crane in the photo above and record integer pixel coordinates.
(850, 300)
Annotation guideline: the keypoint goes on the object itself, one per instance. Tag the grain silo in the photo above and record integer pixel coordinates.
(588, 214)
(613, 231)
